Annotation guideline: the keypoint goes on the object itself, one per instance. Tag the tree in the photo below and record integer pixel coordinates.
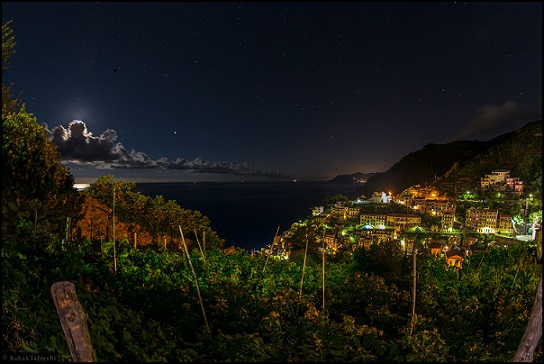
(10, 104)
(160, 218)
(31, 165)
(32, 172)
(385, 259)
(331, 200)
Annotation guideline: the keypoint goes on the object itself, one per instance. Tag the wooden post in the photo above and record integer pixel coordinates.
(414, 288)
(66, 233)
(73, 321)
(135, 240)
(199, 247)
(35, 222)
(323, 270)
(303, 267)
(114, 247)
(533, 332)
(196, 283)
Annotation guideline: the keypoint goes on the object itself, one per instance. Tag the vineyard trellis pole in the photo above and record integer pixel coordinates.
(303, 268)
(414, 289)
(114, 248)
(196, 283)
(323, 269)
(199, 247)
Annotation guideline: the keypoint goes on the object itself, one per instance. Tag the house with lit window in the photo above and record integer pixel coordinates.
(330, 238)
(505, 225)
(339, 212)
(331, 243)
(318, 210)
(482, 220)
(418, 203)
(496, 177)
(372, 219)
(435, 248)
(374, 235)
(500, 180)
(515, 184)
(448, 220)
(402, 221)
(438, 207)
(365, 242)
(455, 257)
(352, 213)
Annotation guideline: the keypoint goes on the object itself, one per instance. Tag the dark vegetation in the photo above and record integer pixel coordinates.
(142, 305)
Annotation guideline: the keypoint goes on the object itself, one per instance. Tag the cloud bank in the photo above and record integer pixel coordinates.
(77, 145)
(494, 120)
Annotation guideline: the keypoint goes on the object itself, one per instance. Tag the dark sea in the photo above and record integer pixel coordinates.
(247, 214)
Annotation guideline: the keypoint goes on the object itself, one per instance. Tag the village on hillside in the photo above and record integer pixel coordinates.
(422, 218)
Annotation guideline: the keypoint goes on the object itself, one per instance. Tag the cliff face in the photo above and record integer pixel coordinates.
(446, 165)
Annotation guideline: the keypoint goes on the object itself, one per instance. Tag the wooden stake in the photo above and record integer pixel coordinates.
(199, 247)
(414, 288)
(73, 321)
(114, 248)
(135, 241)
(196, 283)
(303, 267)
(323, 270)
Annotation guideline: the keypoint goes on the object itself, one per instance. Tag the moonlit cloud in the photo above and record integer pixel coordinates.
(494, 120)
(77, 145)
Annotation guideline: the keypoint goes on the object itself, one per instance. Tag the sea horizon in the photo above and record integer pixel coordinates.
(247, 214)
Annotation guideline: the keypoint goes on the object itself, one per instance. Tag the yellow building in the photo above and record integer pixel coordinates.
(372, 219)
(496, 177)
(353, 212)
(402, 221)
(447, 220)
(339, 212)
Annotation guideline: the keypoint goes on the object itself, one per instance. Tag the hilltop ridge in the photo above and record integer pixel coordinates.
(458, 164)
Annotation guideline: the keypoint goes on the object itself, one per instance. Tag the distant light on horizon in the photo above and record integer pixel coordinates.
(81, 186)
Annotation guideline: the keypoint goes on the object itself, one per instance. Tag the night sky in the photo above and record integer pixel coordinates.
(246, 91)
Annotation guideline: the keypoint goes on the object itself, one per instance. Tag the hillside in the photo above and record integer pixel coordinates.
(460, 164)
(421, 167)
(519, 151)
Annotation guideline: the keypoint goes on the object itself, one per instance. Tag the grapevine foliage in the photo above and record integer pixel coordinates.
(149, 309)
